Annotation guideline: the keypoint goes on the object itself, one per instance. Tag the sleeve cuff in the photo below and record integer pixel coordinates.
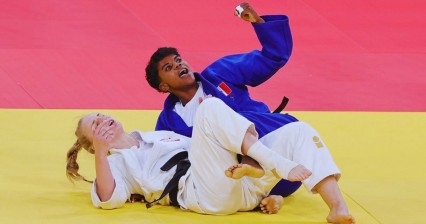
(115, 201)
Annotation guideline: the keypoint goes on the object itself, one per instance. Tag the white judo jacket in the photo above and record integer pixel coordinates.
(137, 170)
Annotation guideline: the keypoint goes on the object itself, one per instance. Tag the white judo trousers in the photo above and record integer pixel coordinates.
(217, 137)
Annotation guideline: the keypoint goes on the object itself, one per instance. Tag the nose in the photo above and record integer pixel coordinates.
(99, 120)
(178, 65)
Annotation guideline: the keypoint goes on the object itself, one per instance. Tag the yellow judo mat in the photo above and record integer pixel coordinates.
(381, 156)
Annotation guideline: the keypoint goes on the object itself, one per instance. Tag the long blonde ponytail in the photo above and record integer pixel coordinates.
(72, 166)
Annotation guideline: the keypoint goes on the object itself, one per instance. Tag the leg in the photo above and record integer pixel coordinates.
(215, 142)
(330, 193)
(218, 135)
(281, 166)
(309, 150)
(215, 115)
(253, 147)
(285, 188)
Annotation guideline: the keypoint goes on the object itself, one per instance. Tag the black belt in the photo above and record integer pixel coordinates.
(183, 164)
(282, 105)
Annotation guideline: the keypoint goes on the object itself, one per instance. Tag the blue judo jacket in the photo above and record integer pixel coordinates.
(228, 78)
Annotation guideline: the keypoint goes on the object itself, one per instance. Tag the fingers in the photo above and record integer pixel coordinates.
(238, 10)
(105, 129)
(241, 8)
(245, 5)
(247, 13)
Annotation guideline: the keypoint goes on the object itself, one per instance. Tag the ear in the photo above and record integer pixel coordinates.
(164, 87)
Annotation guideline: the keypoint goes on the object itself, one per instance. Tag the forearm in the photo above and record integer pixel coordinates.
(256, 67)
(275, 37)
(105, 183)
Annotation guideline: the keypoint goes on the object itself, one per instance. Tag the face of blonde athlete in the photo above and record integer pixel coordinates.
(175, 74)
(91, 121)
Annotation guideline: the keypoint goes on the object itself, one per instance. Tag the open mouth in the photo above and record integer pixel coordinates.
(183, 72)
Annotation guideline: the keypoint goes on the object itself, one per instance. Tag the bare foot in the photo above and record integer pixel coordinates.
(299, 173)
(272, 204)
(340, 216)
(238, 171)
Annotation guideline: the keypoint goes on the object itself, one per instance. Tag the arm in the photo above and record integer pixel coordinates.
(256, 67)
(105, 183)
(118, 198)
(108, 190)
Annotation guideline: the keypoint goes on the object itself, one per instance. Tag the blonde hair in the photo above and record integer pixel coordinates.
(81, 143)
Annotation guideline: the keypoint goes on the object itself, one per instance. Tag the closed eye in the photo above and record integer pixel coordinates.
(93, 125)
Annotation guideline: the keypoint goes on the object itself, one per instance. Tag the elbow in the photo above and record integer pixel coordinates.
(104, 200)
(104, 197)
(285, 56)
(105, 191)
(279, 59)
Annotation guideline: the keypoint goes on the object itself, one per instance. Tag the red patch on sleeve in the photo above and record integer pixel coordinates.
(224, 88)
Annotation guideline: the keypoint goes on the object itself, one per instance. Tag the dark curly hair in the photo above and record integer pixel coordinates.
(151, 71)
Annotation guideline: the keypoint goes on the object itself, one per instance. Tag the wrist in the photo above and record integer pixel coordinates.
(101, 153)
(259, 20)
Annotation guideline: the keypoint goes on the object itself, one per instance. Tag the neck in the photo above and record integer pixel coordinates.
(125, 141)
(186, 95)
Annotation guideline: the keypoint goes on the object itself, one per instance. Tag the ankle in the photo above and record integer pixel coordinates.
(339, 208)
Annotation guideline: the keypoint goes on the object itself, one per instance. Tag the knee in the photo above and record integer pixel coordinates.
(307, 129)
(305, 126)
(211, 105)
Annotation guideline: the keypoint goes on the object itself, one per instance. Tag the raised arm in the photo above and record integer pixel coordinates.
(255, 67)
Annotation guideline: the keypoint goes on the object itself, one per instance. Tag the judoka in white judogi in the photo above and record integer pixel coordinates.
(217, 138)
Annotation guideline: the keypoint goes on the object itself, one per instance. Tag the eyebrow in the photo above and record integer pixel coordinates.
(174, 58)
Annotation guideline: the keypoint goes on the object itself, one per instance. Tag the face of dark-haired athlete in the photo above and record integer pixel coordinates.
(175, 74)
